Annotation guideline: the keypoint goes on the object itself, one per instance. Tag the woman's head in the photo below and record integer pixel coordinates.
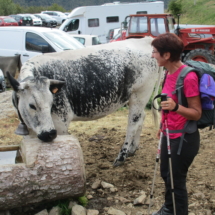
(171, 43)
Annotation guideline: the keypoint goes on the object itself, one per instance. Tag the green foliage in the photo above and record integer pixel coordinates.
(199, 12)
(125, 107)
(175, 7)
(56, 7)
(149, 104)
(83, 200)
(63, 205)
(7, 7)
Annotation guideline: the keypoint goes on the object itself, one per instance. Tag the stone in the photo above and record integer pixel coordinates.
(55, 211)
(113, 211)
(122, 199)
(89, 196)
(106, 185)
(96, 184)
(199, 195)
(92, 212)
(113, 189)
(140, 200)
(72, 204)
(43, 212)
(78, 210)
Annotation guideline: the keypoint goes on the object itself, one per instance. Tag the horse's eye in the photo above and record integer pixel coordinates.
(32, 106)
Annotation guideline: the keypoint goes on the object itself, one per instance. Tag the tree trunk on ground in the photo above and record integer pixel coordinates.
(50, 171)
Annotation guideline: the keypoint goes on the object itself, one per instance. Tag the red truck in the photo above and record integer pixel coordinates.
(199, 42)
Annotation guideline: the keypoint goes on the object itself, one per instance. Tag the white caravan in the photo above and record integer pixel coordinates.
(98, 20)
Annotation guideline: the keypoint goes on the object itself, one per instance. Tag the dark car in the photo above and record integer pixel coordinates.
(47, 20)
(7, 21)
(23, 20)
(2, 82)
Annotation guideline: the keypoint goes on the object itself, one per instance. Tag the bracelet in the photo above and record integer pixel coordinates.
(176, 107)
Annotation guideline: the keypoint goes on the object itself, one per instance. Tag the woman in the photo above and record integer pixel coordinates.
(167, 49)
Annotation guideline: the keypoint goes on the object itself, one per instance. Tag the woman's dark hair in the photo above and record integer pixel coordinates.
(171, 43)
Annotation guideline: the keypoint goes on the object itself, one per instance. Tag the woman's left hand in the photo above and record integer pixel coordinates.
(168, 105)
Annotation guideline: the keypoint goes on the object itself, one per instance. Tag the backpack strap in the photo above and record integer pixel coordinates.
(190, 126)
(180, 85)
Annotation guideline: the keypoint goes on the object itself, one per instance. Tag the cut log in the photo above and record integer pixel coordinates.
(50, 171)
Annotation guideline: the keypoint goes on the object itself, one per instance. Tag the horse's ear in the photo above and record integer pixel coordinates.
(13, 82)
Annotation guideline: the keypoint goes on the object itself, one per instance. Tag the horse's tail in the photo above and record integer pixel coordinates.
(155, 114)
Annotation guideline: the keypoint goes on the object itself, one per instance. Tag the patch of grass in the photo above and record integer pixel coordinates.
(200, 13)
(63, 205)
(83, 201)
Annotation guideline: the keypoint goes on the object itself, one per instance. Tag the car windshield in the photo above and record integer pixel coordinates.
(9, 20)
(62, 40)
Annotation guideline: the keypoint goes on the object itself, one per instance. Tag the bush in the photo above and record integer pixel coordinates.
(149, 104)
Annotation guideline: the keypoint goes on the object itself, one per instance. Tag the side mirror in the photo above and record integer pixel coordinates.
(79, 32)
(45, 49)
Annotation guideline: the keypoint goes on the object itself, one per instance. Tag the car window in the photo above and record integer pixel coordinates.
(63, 40)
(80, 39)
(34, 42)
(95, 41)
(93, 22)
(9, 20)
(73, 25)
(25, 18)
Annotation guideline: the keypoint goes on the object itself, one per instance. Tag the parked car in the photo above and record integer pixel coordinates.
(87, 40)
(47, 20)
(112, 33)
(36, 21)
(23, 20)
(59, 16)
(119, 37)
(32, 41)
(2, 82)
(8, 21)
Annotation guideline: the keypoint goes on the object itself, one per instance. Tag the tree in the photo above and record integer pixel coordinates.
(7, 7)
(56, 7)
(175, 7)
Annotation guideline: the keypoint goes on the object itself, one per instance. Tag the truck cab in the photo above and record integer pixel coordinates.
(148, 25)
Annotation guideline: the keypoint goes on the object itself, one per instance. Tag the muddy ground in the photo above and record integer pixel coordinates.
(101, 141)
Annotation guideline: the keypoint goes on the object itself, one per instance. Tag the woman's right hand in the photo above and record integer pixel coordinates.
(158, 134)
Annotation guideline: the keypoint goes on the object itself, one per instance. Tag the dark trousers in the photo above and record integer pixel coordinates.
(180, 165)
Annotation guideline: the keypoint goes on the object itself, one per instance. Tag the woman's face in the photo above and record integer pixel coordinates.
(160, 59)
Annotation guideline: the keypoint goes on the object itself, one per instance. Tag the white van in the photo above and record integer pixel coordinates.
(31, 41)
(98, 20)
